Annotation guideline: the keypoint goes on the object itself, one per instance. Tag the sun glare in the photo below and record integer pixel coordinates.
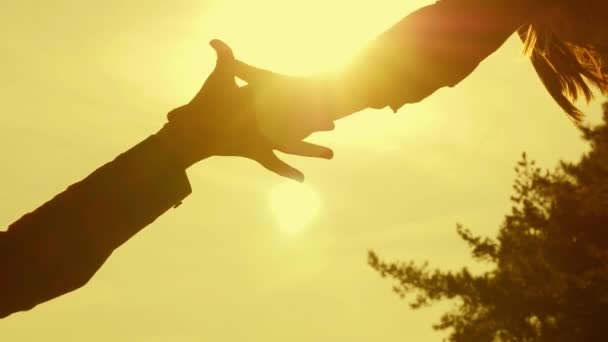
(300, 36)
(295, 206)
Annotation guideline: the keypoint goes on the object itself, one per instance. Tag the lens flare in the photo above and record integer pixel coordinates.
(295, 206)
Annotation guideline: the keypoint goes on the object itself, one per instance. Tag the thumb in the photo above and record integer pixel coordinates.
(271, 162)
(225, 57)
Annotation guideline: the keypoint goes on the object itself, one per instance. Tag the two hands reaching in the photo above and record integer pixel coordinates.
(271, 113)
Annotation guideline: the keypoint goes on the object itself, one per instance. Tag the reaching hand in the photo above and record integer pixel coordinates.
(292, 106)
(287, 107)
(219, 121)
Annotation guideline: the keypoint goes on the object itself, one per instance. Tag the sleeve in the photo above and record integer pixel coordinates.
(436, 46)
(58, 247)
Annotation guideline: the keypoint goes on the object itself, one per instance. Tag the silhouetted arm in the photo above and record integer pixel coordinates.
(58, 247)
(434, 47)
(61, 245)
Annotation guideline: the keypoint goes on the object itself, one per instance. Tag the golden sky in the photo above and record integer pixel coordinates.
(83, 81)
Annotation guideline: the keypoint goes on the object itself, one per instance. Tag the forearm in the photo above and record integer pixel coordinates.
(59, 246)
(434, 47)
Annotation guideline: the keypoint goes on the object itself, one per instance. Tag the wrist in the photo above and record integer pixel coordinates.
(179, 146)
(342, 94)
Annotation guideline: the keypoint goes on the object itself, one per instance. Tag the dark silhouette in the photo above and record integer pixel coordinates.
(440, 45)
(549, 280)
(58, 247)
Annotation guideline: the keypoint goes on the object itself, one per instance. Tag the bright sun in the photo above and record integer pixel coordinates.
(299, 37)
(295, 206)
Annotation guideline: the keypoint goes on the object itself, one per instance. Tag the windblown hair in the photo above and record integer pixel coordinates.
(568, 69)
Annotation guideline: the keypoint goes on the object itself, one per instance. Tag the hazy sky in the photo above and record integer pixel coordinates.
(83, 81)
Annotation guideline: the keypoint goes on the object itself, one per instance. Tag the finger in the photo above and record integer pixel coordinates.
(225, 57)
(272, 163)
(222, 78)
(251, 74)
(306, 149)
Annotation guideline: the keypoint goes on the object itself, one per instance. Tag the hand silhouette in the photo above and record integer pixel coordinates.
(219, 121)
(287, 107)
(297, 106)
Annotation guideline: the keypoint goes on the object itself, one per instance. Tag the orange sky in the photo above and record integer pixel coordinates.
(84, 81)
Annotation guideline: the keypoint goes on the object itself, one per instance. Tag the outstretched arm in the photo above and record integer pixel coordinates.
(58, 247)
(436, 46)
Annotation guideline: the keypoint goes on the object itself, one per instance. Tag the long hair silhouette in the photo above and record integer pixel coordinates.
(570, 63)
